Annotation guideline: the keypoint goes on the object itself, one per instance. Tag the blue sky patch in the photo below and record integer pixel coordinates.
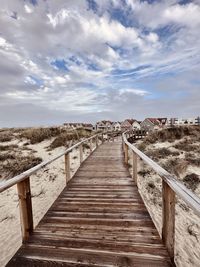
(60, 64)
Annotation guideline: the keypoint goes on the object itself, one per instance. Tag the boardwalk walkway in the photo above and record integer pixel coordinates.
(99, 219)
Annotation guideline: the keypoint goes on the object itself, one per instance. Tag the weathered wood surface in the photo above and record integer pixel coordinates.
(99, 219)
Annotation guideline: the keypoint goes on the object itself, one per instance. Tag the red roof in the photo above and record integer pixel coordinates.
(155, 121)
(131, 121)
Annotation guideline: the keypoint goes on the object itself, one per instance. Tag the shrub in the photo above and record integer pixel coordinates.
(86, 146)
(191, 159)
(8, 147)
(20, 164)
(161, 153)
(175, 166)
(6, 156)
(151, 185)
(37, 135)
(172, 134)
(5, 137)
(144, 172)
(142, 146)
(191, 181)
(63, 138)
(186, 145)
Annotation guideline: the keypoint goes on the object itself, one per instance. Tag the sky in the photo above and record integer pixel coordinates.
(86, 60)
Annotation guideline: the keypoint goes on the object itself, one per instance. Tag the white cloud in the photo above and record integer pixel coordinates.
(2, 42)
(105, 59)
(30, 80)
(152, 37)
(188, 15)
(133, 91)
(28, 9)
(60, 80)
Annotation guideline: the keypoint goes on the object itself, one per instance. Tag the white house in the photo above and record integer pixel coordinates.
(104, 125)
(109, 126)
(136, 125)
(74, 125)
(116, 126)
(150, 124)
(127, 124)
(183, 121)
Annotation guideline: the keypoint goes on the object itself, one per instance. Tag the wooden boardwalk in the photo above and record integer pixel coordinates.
(99, 219)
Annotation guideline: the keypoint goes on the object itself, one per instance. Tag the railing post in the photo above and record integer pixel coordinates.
(25, 206)
(126, 153)
(67, 167)
(102, 138)
(81, 153)
(123, 144)
(97, 141)
(90, 145)
(134, 174)
(168, 218)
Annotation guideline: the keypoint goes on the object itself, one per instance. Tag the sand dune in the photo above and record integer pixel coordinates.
(45, 187)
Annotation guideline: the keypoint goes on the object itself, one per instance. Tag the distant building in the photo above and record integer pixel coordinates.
(88, 126)
(127, 124)
(183, 121)
(163, 122)
(104, 125)
(74, 125)
(136, 125)
(150, 124)
(116, 126)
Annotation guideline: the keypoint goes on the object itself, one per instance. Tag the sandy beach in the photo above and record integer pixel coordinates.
(187, 224)
(46, 185)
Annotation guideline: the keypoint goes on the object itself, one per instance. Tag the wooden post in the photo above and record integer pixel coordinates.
(123, 145)
(134, 174)
(168, 218)
(102, 138)
(25, 206)
(126, 153)
(90, 145)
(67, 167)
(97, 139)
(81, 153)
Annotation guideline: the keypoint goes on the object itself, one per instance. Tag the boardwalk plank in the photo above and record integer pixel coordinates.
(99, 219)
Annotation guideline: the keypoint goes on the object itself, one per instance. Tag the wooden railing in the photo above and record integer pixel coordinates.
(171, 187)
(23, 181)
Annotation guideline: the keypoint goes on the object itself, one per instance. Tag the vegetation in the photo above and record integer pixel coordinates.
(173, 134)
(8, 147)
(86, 146)
(19, 164)
(191, 181)
(175, 166)
(64, 138)
(37, 135)
(5, 137)
(161, 153)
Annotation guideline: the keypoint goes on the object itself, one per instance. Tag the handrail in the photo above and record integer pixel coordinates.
(179, 188)
(170, 187)
(22, 176)
(24, 187)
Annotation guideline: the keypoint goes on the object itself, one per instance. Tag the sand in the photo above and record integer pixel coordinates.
(187, 224)
(46, 185)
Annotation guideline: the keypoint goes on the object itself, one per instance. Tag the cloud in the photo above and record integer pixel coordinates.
(100, 58)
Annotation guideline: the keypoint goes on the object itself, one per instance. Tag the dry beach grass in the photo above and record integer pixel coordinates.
(178, 151)
(24, 149)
